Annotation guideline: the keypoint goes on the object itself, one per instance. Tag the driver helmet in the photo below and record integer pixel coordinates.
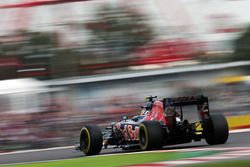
(144, 112)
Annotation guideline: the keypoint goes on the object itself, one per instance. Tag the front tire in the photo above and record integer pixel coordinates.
(91, 140)
(150, 135)
(215, 130)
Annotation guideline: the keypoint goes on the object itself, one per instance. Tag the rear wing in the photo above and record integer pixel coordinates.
(201, 102)
(185, 100)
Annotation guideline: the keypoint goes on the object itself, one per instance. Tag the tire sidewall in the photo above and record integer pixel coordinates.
(94, 140)
(216, 129)
(144, 129)
(85, 130)
(153, 135)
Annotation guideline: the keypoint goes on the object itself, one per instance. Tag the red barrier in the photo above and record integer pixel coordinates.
(38, 3)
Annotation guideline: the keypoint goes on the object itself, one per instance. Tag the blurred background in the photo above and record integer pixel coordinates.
(66, 63)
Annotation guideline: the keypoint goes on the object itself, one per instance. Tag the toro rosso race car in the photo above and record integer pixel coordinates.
(160, 123)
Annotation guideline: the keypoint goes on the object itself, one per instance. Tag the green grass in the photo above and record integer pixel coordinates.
(118, 160)
(231, 163)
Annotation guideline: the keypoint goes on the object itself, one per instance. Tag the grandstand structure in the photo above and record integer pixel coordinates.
(214, 27)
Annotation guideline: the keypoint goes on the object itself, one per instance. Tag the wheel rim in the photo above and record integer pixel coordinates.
(143, 138)
(85, 143)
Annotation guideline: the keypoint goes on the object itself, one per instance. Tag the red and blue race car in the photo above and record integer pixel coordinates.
(160, 123)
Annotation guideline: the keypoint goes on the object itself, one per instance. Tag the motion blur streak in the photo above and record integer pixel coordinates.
(38, 3)
(66, 63)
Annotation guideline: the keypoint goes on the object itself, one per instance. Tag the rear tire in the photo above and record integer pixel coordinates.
(215, 130)
(150, 135)
(91, 140)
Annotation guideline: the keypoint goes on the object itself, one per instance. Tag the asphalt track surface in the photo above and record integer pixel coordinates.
(235, 140)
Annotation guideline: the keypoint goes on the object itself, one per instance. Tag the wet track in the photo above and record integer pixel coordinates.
(235, 140)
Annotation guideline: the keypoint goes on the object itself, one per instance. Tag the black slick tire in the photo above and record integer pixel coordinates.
(91, 140)
(215, 129)
(150, 135)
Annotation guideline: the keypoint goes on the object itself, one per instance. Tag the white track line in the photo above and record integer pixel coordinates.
(239, 130)
(179, 162)
(176, 150)
(37, 150)
(45, 161)
(71, 147)
(234, 153)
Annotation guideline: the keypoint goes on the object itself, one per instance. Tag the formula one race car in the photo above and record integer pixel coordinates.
(160, 123)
